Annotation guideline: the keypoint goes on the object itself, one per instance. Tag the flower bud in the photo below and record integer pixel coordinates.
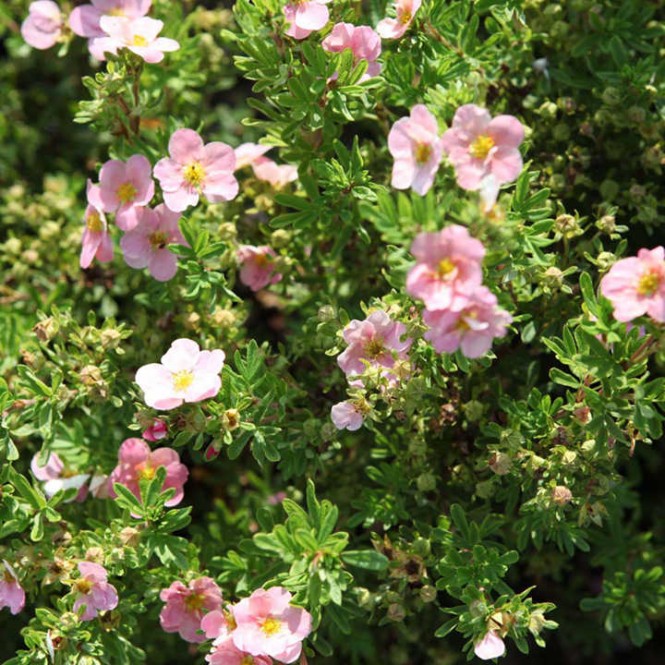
(428, 593)
(46, 329)
(500, 463)
(396, 612)
(231, 419)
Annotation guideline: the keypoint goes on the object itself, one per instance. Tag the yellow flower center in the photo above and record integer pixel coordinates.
(422, 153)
(462, 323)
(94, 222)
(83, 586)
(374, 348)
(194, 174)
(116, 11)
(139, 40)
(405, 17)
(147, 472)
(648, 283)
(126, 192)
(247, 660)
(8, 577)
(182, 380)
(271, 626)
(231, 621)
(446, 266)
(158, 240)
(194, 602)
(481, 147)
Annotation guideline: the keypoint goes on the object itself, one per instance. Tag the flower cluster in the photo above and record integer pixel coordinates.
(461, 313)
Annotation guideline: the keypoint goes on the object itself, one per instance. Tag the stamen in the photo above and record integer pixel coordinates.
(481, 147)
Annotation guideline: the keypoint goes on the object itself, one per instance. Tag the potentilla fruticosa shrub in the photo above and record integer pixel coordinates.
(331, 332)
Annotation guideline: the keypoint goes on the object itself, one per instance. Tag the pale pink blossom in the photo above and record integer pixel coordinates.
(124, 187)
(417, 148)
(43, 26)
(362, 41)
(215, 625)
(94, 593)
(186, 374)
(84, 19)
(268, 625)
(56, 476)
(448, 263)
(156, 431)
(225, 652)
(305, 16)
(247, 153)
(636, 286)
(278, 175)
(257, 266)
(479, 146)
(12, 594)
(375, 342)
(96, 242)
(139, 35)
(186, 607)
(347, 415)
(394, 28)
(146, 245)
(491, 646)
(137, 462)
(471, 326)
(194, 169)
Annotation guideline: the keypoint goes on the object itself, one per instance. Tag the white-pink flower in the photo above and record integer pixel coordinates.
(491, 646)
(448, 264)
(305, 16)
(347, 415)
(268, 625)
(84, 19)
(12, 594)
(479, 146)
(124, 187)
(417, 148)
(94, 593)
(139, 35)
(278, 175)
(146, 245)
(194, 169)
(56, 476)
(376, 341)
(636, 286)
(471, 326)
(186, 374)
(43, 26)
(96, 242)
(257, 266)
(362, 41)
(394, 28)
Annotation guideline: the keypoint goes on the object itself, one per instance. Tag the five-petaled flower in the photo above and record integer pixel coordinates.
(12, 594)
(43, 26)
(305, 16)
(93, 592)
(194, 169)
(257, 266)
(186, 374)
(394, 28)
(84, 19)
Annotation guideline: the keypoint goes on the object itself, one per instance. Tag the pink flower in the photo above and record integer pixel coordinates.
(84, 20)
(186, 374)
(11, 591)
(124, 186)
(136, 462)
(225, 652)
(247, 153)
(194, 169)
(415, 145)
(43, 26)
(447, 263)
(94, 593)
(491, 646)
(636, 286)
(186, 605)
(479, 146)
(471, 326)
(157, 430)
(347, 415)
(278, 175)
(376, 341)
(96, 242)
(139, 35)
(305, 16)
(258, 267)
(146, 245)
(267, 625)
(363, 42)
(56, 477)
(394, 28)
